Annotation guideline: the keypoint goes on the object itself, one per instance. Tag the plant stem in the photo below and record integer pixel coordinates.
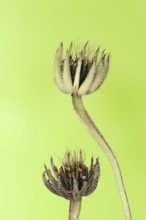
(74, 209)
(95, 133)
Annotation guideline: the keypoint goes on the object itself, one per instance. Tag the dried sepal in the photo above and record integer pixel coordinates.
(85, 87)
(58, 75)
(77, 76)
(48, 184)
(67, 81)
(93, 180)
(101, 72)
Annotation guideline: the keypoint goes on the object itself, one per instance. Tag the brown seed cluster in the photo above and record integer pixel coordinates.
(73, 179)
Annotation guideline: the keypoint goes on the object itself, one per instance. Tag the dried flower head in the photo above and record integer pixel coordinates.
(80, 72)
(73, 179)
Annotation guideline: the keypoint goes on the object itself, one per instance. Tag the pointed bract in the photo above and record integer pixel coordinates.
(101, 72)
(87, 83)
(77, 76)
(58, 76)
(67, 81)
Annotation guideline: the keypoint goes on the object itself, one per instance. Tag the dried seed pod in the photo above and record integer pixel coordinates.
(73, 179)
(80, 72)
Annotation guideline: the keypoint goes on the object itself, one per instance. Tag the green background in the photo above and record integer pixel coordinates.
(37, 120)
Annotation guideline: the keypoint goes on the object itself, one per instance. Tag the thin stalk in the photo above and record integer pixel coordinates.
(74, 209)
(95, 133)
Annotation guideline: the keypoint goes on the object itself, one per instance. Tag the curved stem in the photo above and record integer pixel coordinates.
(74, 209)
(95, 133)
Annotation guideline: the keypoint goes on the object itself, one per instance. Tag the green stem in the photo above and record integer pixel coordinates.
(95, 133)
(74, 209)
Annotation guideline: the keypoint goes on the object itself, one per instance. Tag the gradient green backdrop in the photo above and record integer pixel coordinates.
(37, 120)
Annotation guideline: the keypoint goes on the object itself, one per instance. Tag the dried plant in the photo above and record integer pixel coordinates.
(72, 180)
(81, 73)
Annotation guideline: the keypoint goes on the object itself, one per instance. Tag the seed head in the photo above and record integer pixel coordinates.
(80, 72)
(73, 179)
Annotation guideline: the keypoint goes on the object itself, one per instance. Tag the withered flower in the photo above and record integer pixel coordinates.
(73, 179)
(80, 72)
